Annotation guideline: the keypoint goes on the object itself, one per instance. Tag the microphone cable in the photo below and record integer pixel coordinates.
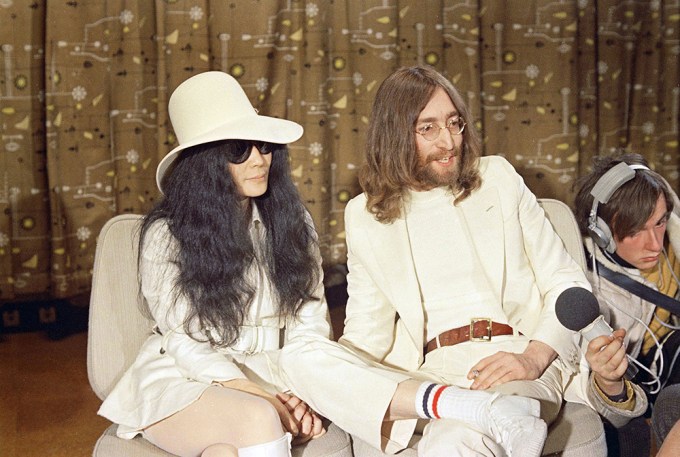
(656, 380)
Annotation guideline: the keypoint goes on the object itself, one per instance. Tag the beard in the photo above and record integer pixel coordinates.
(429, 176)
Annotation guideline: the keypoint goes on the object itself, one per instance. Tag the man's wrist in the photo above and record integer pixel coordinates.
(540, 353)
(614, 390)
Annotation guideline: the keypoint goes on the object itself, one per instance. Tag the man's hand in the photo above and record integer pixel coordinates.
(503, 366)
(309, 423)
(607, 358)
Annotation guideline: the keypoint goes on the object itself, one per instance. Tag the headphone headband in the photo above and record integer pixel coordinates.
(614, 178)
(602, 191)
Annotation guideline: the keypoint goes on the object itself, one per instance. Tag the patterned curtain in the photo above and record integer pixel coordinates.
(84, 89)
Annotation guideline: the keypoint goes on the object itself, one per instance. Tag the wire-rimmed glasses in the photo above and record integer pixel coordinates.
(430, 131)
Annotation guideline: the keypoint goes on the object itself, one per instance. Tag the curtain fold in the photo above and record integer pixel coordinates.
(84, 92)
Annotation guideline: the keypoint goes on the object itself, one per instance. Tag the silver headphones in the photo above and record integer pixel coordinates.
(602, 191)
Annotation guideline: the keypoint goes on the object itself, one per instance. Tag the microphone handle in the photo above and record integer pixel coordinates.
(632, 370)
(600, 327)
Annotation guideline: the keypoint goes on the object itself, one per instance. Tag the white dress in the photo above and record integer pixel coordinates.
(172, 370)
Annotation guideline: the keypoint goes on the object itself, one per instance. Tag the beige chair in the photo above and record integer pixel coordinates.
(117, 330)
(578, 430)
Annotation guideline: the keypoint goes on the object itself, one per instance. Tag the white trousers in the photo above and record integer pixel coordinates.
(450, 438)
(355, 393)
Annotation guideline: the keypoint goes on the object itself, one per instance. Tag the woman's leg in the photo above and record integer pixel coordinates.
(221, 421)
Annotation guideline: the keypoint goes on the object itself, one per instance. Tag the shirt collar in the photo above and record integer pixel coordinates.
(255, 214)
(614, 257)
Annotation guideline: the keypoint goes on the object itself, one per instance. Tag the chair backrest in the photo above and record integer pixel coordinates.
(117, 328)
(564, 223)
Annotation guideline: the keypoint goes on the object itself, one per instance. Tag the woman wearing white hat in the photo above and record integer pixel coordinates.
(230, 270)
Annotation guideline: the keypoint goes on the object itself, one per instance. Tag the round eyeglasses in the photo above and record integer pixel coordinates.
(430, 131)
(241, 149)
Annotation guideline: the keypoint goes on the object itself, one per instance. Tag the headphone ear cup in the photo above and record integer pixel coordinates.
(601, 192)
(602, 235)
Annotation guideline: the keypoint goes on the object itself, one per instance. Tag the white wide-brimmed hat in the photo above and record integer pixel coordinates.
(212, 106)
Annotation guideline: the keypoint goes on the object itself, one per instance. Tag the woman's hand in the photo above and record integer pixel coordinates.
(309, 423)
(607, 358)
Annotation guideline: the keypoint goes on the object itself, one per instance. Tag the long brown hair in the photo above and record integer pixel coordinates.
(391, 153)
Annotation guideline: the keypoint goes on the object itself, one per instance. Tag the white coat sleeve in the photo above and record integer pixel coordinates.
(554, 269)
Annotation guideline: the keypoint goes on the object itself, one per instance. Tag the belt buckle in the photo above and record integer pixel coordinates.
(483, 338)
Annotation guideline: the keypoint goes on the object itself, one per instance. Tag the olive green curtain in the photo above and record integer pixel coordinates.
(84, 89)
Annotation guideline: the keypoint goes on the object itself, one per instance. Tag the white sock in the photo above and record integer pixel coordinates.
(512, 421)
(276, 448)
(437, 401)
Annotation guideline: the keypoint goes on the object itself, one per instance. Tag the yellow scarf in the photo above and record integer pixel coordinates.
(667, 285)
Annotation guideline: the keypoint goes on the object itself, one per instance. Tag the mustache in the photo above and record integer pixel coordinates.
(455, 152)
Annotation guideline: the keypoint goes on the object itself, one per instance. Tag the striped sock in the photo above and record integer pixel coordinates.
(437, 401)
(512, 421)
(427, 400)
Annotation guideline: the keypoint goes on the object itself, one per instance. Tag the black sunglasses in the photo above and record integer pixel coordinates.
(240, 150)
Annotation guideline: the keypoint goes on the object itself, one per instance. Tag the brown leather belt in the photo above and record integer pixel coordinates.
(480, 329)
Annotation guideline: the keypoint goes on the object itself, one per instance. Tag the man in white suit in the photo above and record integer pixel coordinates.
(453, 276)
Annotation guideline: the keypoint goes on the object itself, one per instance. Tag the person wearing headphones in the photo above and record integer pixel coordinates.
(624, 210)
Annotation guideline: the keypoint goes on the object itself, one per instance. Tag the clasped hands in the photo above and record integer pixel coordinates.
(295, 415)
(301, 421)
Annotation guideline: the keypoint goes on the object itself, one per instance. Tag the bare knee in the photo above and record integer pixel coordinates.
(220, 450)
(260, 416)
(219, 416)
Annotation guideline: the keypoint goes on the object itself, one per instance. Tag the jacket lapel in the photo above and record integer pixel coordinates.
(483, 219)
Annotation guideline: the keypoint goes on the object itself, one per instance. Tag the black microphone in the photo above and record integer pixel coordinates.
(578, 310)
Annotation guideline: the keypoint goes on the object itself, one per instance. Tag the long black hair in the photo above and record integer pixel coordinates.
(204, 213)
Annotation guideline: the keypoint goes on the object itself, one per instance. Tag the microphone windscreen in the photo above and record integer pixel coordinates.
(576, 307)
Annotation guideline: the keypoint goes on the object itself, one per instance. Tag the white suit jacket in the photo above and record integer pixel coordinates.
(523, 259)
